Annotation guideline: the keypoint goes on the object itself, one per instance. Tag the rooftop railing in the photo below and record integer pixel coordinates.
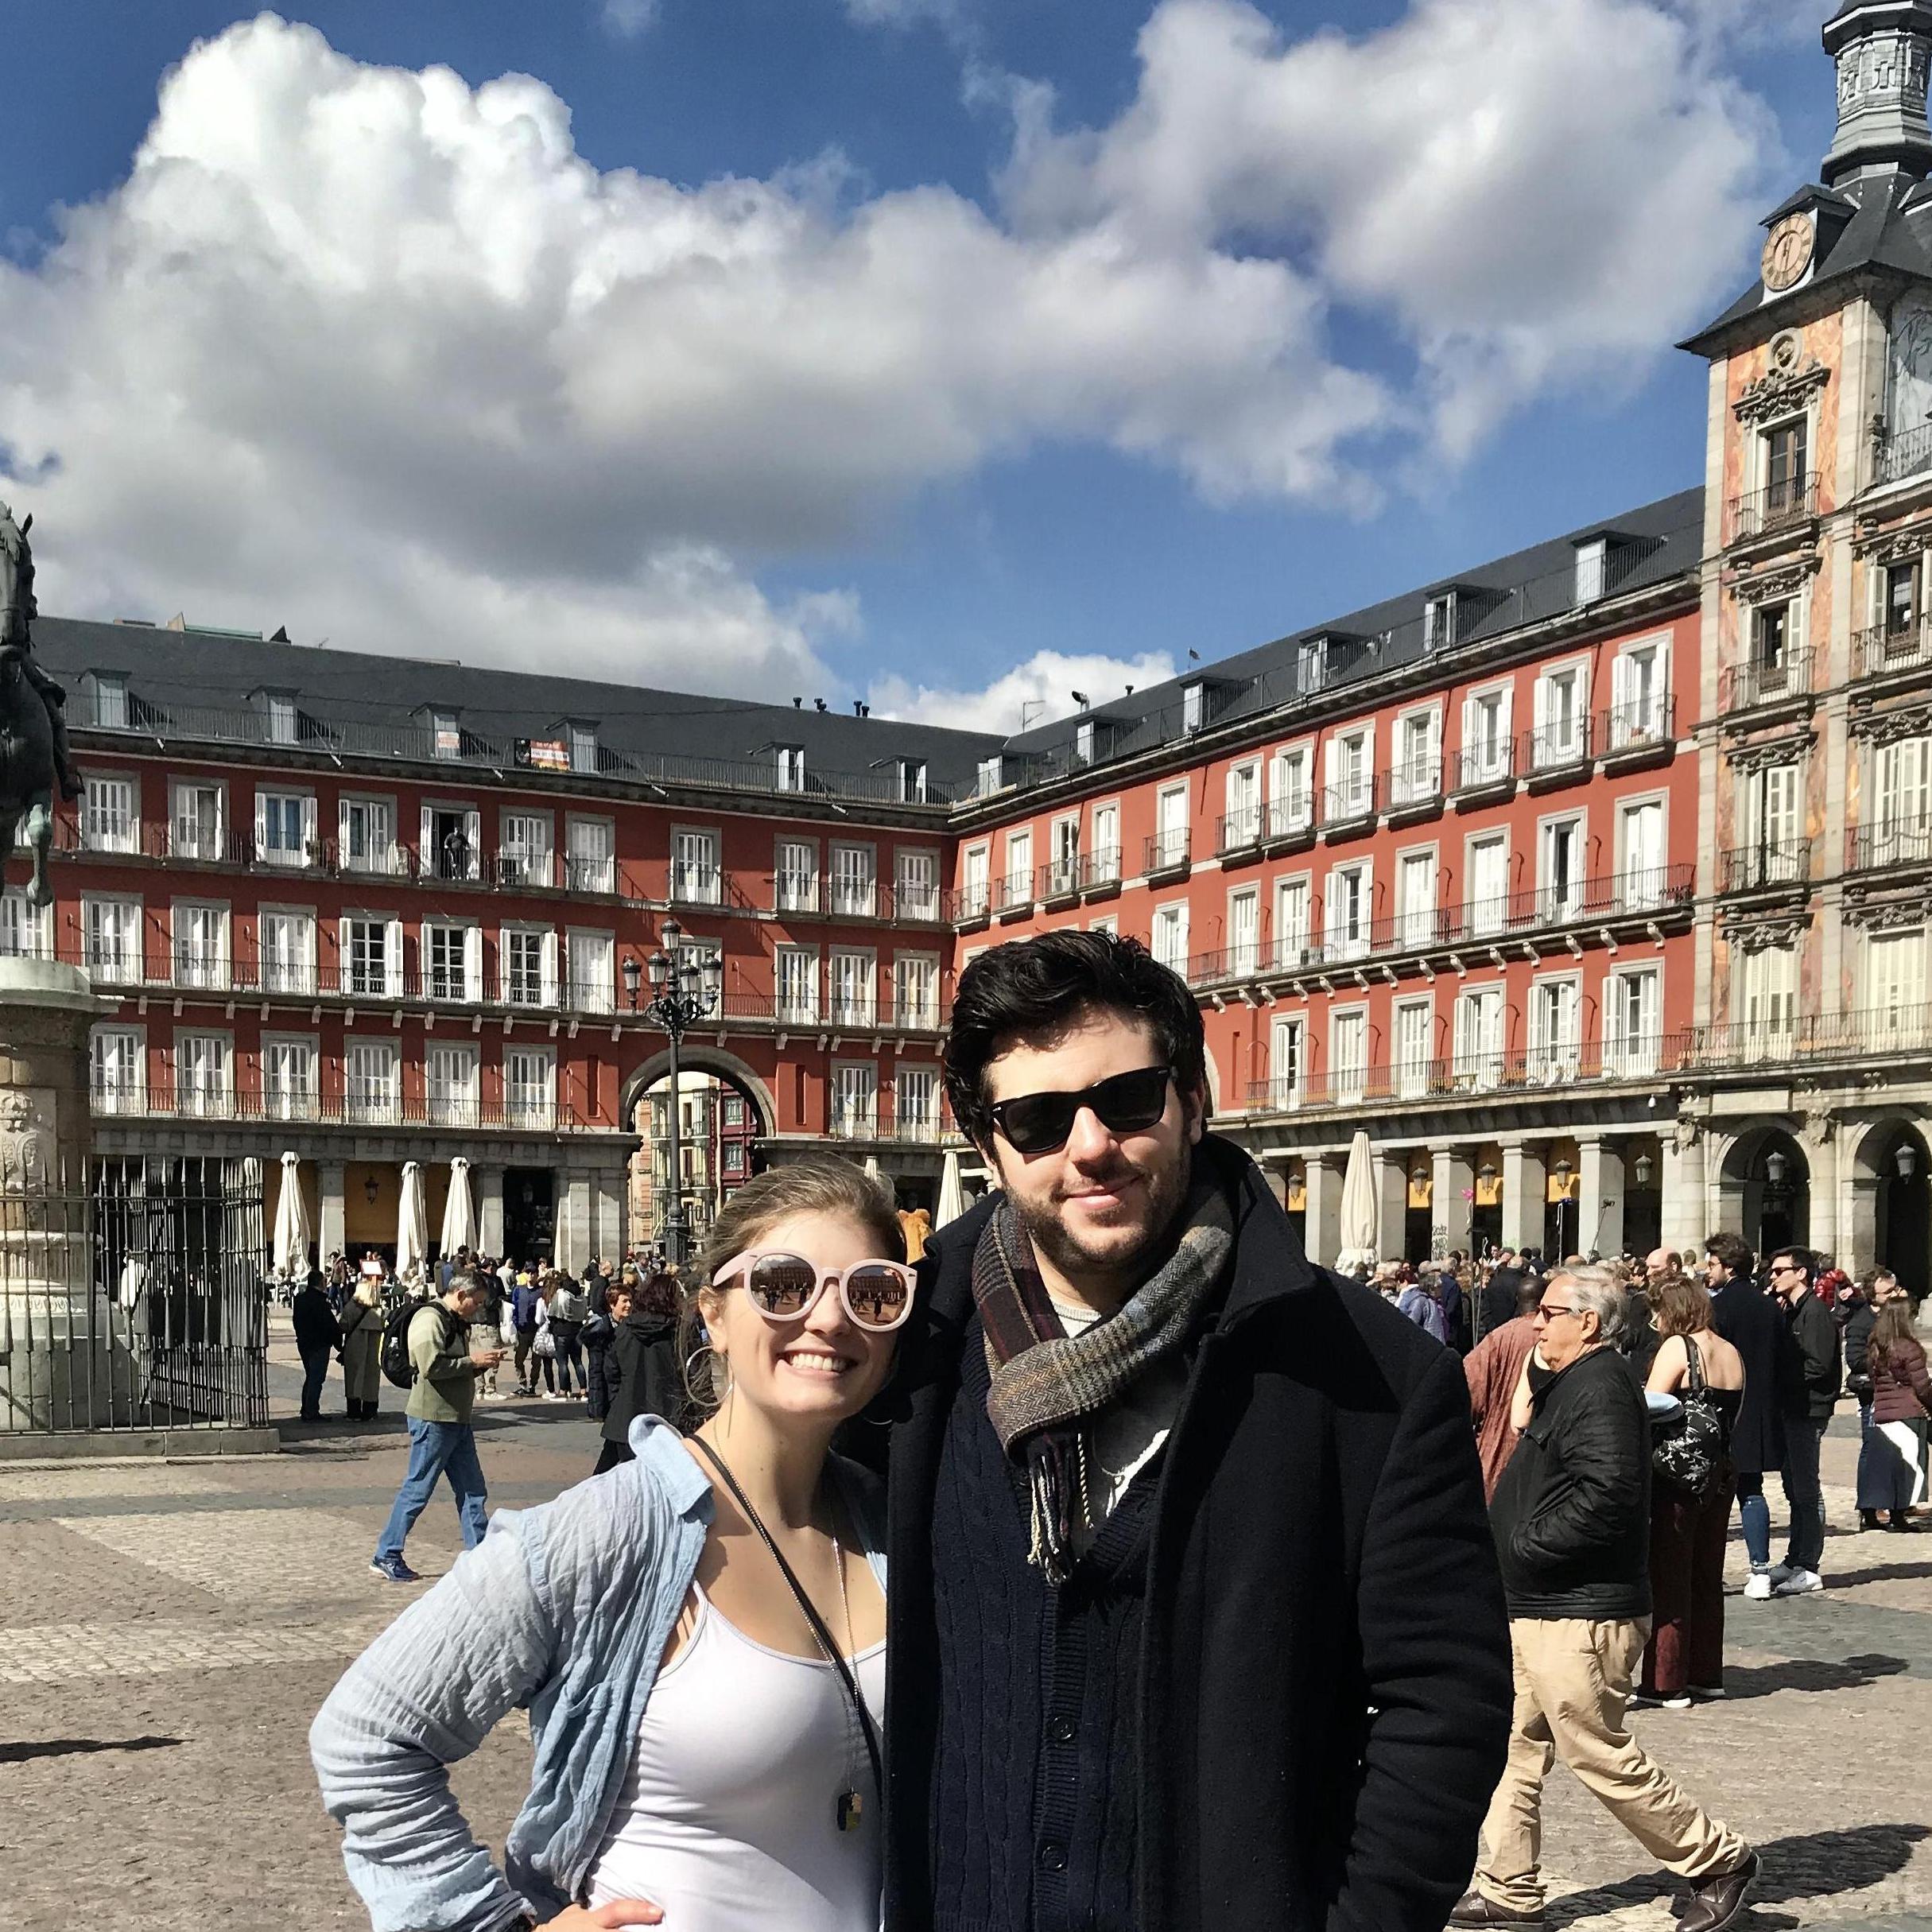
(136, 716)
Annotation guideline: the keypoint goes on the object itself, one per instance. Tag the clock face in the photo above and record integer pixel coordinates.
(1787, 253)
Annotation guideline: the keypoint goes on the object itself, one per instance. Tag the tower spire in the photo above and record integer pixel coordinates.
(1883, 49)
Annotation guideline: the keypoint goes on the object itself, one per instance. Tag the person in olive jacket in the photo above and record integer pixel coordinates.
(1571, 1518)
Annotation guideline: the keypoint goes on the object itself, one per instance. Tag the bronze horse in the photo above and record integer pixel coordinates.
(29, 770)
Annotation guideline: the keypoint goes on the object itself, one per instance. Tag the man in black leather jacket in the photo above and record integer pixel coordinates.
(1571, 1518)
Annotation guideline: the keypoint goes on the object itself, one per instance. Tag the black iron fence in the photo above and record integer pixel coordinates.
(135, 1302)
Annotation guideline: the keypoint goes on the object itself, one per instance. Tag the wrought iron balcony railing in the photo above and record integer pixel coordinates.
(1891, 647)
(1778, 506)
(1751, 868)
(1744, 687)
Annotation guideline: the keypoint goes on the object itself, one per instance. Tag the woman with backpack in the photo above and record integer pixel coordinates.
(569, 1310)
(1901, 1402)
(1685, 1655)
(361, 1348)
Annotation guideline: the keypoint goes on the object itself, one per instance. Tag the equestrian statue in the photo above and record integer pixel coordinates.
(34, 753)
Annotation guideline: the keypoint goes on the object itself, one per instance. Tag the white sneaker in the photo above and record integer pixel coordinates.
(1800, 1583)
(1681, 1702)
(1758, 1585)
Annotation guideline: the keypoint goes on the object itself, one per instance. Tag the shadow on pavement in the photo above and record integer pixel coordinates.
(1809, 1673)
(1881, 1573)
(1819, 1864)
(76, 1747)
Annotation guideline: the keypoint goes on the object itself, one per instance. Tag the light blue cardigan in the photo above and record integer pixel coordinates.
(565, 1608)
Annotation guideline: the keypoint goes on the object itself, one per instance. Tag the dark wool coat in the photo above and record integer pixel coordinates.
(1324, 1687)
(1753, 1326)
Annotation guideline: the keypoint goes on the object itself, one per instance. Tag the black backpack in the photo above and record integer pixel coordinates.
(396, 1366)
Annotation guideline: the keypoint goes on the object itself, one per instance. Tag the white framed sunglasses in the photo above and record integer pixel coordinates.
(877, 1295)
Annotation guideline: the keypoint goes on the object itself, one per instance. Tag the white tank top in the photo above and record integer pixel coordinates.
(728, 1816)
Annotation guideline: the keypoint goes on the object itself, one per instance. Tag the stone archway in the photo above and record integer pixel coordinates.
(1764, 1183)
(1891, 1190)
(724, 1112)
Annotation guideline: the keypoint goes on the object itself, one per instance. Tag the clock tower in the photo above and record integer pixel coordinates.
(1815, 885)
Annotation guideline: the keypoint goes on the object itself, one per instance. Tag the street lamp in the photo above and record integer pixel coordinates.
(1562, 1170)
(683, 992)
(1907, 1160)
(1645, 1167)
(1775, 1164)
(634, 976)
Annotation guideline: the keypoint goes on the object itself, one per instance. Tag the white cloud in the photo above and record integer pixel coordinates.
(900, 12)
(629, 18)
(379, 354)
(1526, 191)
(1029, 694)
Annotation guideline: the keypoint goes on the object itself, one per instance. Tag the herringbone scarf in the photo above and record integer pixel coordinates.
(1049, 1386)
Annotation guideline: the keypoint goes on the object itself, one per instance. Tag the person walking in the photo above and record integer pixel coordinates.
(697, 1636)
(1748, 1321)
(1901, 1402)
(526, 1307)
(1810, 1379)
(1875, 1473)
(543, 1348)
(1421, 1302)
(1571, 1519)
(487, 1332)
(1492, 1369)
(362, 1352)
(318, 1335)
(442, 1441)
(1128, 1685)
(1684, 1658)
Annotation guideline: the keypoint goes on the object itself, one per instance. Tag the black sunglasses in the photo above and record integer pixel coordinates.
(1126, 1103)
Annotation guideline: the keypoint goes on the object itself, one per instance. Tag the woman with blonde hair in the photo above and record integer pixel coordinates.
(361, 1348)
(1685, 1656)
(698, 1634)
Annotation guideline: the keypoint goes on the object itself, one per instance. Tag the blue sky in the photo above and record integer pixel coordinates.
(1045, 340)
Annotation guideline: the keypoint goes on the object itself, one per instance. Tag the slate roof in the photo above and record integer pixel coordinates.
(209, 683)
(192, 684)
(1651, 544)
(1890, 230)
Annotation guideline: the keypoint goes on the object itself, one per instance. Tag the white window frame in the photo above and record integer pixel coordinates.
(1487, 913)
(793, 891)
(1556, 905)
(212, 975)
(788, 1007)
(1173, 822)
(127, 1092)
(1293, 943)
(1167, 934)
(916, 1006)
(1351, 778)
(854, 890)
(26, 930)
(280, 857)
(1644, 887)
(1291, 789)
(351, 982)
(1482, 1022)
(851, 986)
(529, 1099)
(915, 1102)
(1415, 778)
(1642, 720)
(296, 978)
(446, 1105)
(366, 1097)
(585, 871)
(1244, 804)
(104, 827)
(1410, 1061)
(124, 964)
(1555, 1062)
(596, 990)
(1628, 1053)
(1417, 922)
(204, 1081)
(187, 839)
(1550, 748)
(1286, 1089)
(1103, 850)
(976, 880)
(1483, 762)
(915, 898)
(280, 1100)
(1347, 1075)
(1349, 916)
(525, 847)
(514, 985)
(467, 986)
(852, 1098)
(370, 862)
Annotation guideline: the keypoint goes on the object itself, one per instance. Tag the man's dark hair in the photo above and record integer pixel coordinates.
(1805, 1257)
(1529, 1296)
(1733, 1250)
(1032, 989)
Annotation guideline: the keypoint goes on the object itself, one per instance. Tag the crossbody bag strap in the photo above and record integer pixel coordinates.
(1694, 1365)
(809, 1610)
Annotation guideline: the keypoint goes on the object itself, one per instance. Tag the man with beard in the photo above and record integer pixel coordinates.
(1191, 1586)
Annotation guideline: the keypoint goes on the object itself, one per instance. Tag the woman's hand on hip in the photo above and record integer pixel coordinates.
(599, 1918)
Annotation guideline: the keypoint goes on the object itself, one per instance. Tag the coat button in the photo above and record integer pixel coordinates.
(1062, 1730)
(1053, 1856)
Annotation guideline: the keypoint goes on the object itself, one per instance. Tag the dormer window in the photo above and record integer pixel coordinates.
(281, 720)
(791, 768)
(912, 780)
(110, 700)
(584, 747)
(445, 735)
(1194, 707)
(1311, 664)
(1439, 621)
(992, 774)
(1593, 555)
(1084, 742)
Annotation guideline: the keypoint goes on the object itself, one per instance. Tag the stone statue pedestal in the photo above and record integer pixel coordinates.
(66, 1362)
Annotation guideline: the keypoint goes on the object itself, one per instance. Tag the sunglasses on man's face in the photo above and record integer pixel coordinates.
(1126, 1103)
(877, 1295)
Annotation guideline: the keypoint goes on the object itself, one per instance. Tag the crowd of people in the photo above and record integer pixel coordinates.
(1188, 1565)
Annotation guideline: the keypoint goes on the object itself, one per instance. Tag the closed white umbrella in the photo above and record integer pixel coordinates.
(412, 1228)
(292, 1236)
(1358, 1207)
(459, 1210)
(871, 1168)
(952, 1194)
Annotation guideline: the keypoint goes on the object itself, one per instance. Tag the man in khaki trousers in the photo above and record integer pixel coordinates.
(1571, 1518)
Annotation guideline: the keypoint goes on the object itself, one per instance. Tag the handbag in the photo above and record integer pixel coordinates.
(545, 1347)
(1688, 1452)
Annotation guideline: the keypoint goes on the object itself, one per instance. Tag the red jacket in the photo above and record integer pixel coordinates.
(1901, 1386)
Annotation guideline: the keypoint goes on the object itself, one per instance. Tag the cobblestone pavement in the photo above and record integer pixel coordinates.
(166, 1632)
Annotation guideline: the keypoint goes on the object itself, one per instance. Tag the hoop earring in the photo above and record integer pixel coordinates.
(709, 1393)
